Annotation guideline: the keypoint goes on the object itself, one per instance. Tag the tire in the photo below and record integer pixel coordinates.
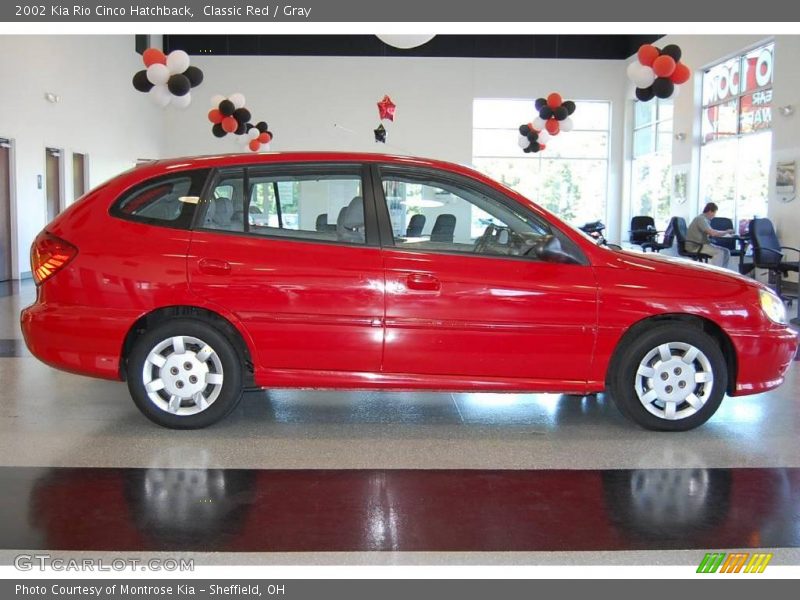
(669, 378)
(176, 382)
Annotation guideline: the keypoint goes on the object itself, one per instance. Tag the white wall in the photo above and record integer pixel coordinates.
(328, 103)
(99, 114)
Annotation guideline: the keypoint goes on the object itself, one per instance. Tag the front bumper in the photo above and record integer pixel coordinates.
(763, 359)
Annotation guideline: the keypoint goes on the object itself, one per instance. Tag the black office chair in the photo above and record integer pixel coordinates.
(687, 248)
(724, 224)
(444, 228)
(415, 226)
(643, 232)
(667, 240)
(767, 253)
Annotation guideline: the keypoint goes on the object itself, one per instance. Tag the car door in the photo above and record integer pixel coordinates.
(483, 291)
(268, 250)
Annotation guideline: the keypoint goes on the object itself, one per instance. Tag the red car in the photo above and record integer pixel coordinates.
(195, 278)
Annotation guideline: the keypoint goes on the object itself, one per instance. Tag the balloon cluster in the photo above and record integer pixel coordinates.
(386, 110)
(256, 136)
(656, 73)
(168, 78)
(228, 115)
(554, 113)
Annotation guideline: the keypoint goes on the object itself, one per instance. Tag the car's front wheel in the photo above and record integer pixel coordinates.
(184, 374)
(670, 378)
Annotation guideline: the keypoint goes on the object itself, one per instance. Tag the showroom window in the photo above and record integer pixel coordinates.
(736, 134)
(569, 177)
(652, 161)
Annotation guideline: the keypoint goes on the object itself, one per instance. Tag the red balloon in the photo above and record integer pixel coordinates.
(152, 56)
(664, 66)
(542, 146)
(215, 116)
(552, 126)
(254, 145)
(681, 74)
(647, 54)
(554, 100)
(230, 124)
(264, 138)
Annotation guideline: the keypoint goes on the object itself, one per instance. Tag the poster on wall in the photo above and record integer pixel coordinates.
(680, 186)
(785, 178)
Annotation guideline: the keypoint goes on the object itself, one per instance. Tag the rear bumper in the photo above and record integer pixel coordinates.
(763, 359)
(76, 339)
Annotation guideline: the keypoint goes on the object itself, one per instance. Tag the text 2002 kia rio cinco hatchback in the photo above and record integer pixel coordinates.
(195, 278)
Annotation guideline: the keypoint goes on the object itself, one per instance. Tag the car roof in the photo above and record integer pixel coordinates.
(227, 160)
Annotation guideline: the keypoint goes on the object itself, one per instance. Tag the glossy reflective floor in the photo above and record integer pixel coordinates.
(323, 477)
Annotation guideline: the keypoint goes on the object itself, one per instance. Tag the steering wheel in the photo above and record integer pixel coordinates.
(482, 242)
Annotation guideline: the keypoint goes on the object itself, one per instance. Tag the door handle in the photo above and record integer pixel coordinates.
(214, 266)
(423, 282)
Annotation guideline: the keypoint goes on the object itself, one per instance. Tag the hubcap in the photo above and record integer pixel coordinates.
(182, 375)
(674, 380)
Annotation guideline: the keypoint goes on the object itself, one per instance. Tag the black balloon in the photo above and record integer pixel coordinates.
(524, 130)
(570, 106)
(227, 108)
(141, 82)
(380, 134)
(241, 129)
(561, 113)
(218, 131)
(535, 147)
(533, 136)
(194, 75)
(645, 94)
(262, 126)
(663, 87)
(178, 85)
(242, 115)
(673, 51)
(545, 112)
(540, 102)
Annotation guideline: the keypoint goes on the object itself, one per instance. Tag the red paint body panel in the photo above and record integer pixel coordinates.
(316, 314)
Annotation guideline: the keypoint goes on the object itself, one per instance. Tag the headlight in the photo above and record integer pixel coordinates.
(772, 306)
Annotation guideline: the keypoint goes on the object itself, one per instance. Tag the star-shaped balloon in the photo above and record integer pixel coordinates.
(386, 108)
(380, 134)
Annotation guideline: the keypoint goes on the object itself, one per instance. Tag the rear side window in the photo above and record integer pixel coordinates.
(169, 200)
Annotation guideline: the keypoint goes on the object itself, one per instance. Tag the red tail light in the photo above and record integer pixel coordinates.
(50, 254)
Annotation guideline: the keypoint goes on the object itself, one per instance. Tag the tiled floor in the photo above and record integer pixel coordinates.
(373, 472)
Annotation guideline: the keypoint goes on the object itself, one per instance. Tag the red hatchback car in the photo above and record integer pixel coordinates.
(195, 278)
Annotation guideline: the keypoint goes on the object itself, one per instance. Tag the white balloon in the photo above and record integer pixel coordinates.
(215, 100)
(237, 99)
(404, 41)
(157, 74)
(177, 62)
(182, 101)
(253, 133)
(567, 124)
(539, 123)
(543, 136)
(523, 142)
(160, 95)
(645, 77)
(633, 70)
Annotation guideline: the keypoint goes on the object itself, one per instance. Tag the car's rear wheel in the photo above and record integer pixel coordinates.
(670, 378)
(184, 374)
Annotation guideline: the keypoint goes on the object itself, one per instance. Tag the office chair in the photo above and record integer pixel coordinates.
(768, 253)
(723, 224)
(686, 248)
(643, 232)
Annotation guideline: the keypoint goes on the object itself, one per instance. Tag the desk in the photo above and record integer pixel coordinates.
(742, 242)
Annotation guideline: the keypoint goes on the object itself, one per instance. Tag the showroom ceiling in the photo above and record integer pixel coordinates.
(468, 46)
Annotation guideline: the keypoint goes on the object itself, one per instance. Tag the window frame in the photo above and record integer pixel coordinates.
(200, 178)
(247, 170)
(458, 180)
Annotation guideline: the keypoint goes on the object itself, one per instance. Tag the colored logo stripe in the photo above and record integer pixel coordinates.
(733, 563)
